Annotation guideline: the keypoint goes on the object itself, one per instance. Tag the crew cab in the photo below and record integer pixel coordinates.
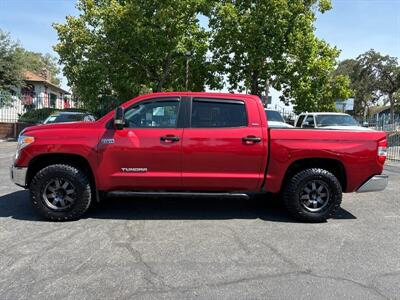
(185, 143)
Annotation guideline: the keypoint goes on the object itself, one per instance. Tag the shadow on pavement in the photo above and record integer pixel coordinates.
(16, 205)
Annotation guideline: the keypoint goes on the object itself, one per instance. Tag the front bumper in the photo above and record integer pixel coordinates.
(18, 175)
(375, 184)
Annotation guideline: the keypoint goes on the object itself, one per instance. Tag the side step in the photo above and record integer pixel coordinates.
(175, 194)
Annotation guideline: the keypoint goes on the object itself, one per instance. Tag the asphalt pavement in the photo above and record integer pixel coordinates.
(203, 248)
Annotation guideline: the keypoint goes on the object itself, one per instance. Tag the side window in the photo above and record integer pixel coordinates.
(218, 114)
(300, 121)
(153, 114)
(309, 122)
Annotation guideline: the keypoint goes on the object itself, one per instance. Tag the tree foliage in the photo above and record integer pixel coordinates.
(10, 68)
(36, 62)
(362, 85)
(14, 60)
(373, 77)
(262, 43)
(386, 73)
(115, 49)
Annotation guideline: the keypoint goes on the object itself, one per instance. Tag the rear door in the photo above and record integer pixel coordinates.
(223, 148)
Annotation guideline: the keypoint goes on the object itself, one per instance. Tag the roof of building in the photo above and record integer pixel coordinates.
(32, 77)
(373, 110)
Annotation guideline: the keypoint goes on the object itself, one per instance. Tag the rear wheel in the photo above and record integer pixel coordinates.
(313, 195)
(60, 192)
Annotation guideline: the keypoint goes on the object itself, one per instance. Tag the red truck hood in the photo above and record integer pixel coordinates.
(71, 125)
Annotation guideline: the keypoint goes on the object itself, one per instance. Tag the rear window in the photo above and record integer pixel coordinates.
(335, 120)
(274, 116)
(210, 113)
(65, 118)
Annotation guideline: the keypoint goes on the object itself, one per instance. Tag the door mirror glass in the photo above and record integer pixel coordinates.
(309, 122)
(119, 118)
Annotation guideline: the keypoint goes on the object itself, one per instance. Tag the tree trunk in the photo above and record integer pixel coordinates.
(165, 72)
(254, 84)
(365, 112)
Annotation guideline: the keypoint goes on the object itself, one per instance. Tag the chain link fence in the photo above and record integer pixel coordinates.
(392, 129)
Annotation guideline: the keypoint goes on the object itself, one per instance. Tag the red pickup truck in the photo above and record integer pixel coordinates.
(170, 143)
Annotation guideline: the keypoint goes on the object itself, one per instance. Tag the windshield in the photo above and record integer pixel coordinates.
(64, 118)
(274, 116)
(335, 120)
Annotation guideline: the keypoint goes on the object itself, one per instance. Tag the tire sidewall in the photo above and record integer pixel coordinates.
(70, 173)
(296, 185)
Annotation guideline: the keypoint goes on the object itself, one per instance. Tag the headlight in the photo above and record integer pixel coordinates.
(23, 141)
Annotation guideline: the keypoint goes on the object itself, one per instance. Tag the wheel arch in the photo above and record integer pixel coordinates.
(334, 166)
(41, 161)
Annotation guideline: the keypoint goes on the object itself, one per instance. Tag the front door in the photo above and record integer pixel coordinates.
(147, 152)
(223, 150)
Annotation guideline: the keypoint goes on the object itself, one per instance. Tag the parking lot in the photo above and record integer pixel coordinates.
(205, 248)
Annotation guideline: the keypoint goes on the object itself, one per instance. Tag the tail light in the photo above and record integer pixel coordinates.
(382, 151)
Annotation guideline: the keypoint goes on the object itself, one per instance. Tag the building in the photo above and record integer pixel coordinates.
(39, 92)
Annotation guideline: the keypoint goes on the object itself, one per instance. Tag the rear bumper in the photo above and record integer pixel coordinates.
(375, 184)
(18, 175)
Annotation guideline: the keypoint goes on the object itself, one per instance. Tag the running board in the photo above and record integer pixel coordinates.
(175, 194)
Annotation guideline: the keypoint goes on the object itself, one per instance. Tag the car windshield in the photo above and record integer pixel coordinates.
(274, 116)
(335, 120)
(64, 118)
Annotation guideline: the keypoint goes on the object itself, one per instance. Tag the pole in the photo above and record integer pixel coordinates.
(266, 92)
(187, 54)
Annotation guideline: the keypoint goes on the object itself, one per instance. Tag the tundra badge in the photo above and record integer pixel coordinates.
(107, 141)
(134, 170)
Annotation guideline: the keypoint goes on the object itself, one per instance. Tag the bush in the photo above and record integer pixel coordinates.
(39, 115)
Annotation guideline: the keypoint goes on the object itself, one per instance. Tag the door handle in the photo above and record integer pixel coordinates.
(251, 139)
(170, 138)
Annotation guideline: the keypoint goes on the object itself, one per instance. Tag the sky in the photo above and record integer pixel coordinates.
(354, 26)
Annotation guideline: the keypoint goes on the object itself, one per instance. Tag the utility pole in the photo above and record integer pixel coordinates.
(266, 92)
(188, 54)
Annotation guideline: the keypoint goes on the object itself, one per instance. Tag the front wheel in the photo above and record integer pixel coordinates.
(60, 192)
(313, 195)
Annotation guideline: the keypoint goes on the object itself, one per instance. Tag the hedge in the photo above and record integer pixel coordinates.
(39, 115)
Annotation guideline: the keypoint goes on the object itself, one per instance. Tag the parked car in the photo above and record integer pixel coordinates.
(204, 143)
(329, 120)
(275, 119)
(69, 116)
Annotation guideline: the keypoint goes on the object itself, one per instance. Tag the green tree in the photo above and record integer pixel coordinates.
(36, 62)
(115, 49)
(10, 68)
(386, 72)
(362, 84)
(259, 44)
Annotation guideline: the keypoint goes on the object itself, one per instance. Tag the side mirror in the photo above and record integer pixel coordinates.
(307, 125)
(119, 118)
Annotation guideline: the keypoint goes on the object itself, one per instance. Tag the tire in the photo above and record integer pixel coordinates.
(312, 195)
(66, 200)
